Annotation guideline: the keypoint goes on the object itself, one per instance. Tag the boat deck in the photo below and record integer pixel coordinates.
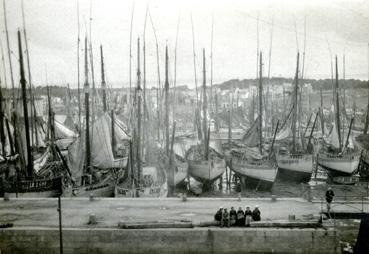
(110, 211)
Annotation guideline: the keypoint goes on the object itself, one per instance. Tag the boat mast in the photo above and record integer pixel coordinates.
(25, 109)
(138, 93)
(321, 110)
(337, 108)
(87, 109)
(367, 110)
(103, 83)
(211, 63)
(349, 132)
(158, 91)
(144, 122)
(113, 143)
(2, 132)
(9, 55)
(130, 60)
(295, 97)
(166, 94)
(261, 104)
(303, 53)
(205, 108)
(175, 71)
(33, 117)
(78, 72)
(257, 46)
(194, 61)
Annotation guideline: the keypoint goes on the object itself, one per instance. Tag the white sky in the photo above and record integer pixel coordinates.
(52, 36)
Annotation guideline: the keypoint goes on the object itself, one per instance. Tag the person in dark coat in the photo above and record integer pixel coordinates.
(248, 216)
(219, 214)
(329, 198)
(232, 216)
(225, 218)
(256, 214)
(240, 221)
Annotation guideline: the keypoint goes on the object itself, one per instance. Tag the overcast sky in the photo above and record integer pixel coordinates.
(341, 26)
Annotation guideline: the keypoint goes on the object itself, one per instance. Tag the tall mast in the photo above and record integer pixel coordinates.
(194, 60)
(303, 53)
(205, 106)
(337, 107)
(103, 83)
(25, 109)
(78, 72)
(257, 46)
(270, 49)
(261, 103)
(2, 132)
(211, 60)
(87, 109)
(3, 62)
(175, 71)
(130, 58)
(158, 91)
(295, 97)
(33, 126)
(166, 90)
(139, 91)
(113, 143)
(144, 122)
(367, 110)
(92, 61)
(9, 54)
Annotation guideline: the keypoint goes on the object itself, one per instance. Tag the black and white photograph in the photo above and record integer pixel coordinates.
(184, 126)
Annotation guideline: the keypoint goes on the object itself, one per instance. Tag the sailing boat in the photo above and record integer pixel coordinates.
(339, 160)
(256, 168)
(205, 163)
(294, 164)
(26, 182)
(145, 178)
(92, 161)
(176, 165)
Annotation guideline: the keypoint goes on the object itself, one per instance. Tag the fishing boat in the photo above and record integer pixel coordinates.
(253, 164)
(22, 178)
(295, 162)
(145, 177)
(204, 162)
(154, 185)
(336, 158)
(92, 158)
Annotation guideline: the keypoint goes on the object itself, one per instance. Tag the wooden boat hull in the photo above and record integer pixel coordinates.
(38, 188)
(146, 192)
(105, 189)
(295, 168)
(259, 176)
(206, 171)
(344, 165)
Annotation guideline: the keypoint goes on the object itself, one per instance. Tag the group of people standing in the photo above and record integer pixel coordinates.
(237, 218)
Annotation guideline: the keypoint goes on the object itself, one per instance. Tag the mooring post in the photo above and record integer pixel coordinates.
(60, 226)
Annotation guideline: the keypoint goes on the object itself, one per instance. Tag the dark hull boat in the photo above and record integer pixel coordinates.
(295, 167)
(38, 188)
(255, 173)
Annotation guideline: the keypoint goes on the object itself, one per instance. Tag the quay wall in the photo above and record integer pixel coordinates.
(196, 240)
